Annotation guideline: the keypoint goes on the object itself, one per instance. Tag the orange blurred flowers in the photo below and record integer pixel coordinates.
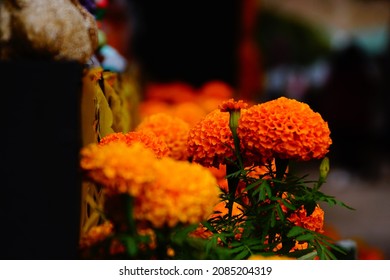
(182, 193)
(171, 130)
(284, 128)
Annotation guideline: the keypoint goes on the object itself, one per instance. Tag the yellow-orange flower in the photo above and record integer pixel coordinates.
(183, 193)
(313, 222)
(118, 167)
(157, 145)
(284, 128)
(210, 141)
(172, 130)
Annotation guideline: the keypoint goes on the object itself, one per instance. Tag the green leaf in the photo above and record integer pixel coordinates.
(243, 255)
(309, 256)
(254, 184)
(280, 212)
(295, 231)
(305, 237)
(287, 204)
(273, 219)
(264, 189)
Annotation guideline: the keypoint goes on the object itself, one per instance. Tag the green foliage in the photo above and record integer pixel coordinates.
(267, 204)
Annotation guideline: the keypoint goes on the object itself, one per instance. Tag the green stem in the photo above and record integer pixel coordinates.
(233, 124)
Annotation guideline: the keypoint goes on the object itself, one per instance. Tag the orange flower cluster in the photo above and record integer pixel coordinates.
(210, 141)
(173, 131)
(157, 145)
(184, 101)
(118, 167)
(284, 128)
(166, 191)
(182, 193)
(314, 222)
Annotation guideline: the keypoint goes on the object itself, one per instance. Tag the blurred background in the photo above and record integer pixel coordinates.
(332, 54)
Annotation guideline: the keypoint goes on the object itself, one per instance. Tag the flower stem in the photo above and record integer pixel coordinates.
(232, 186)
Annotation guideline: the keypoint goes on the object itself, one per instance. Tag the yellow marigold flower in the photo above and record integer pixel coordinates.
(231, 105)
(210, 141)
(182, 193)
(284, 128)
(172, 130)
(157, 145)
(314, 222)
(118, 167)
(96, 234)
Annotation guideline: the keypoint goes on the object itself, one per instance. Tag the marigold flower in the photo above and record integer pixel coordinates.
(313, 222)
(210, 141)
(172, 130)
(233, 106)
(182, 193)
(284, 128)
(157, 145)
(118, 167)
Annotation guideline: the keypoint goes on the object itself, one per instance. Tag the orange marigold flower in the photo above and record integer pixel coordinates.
(118, 167)
(183, 193)
(172, 130)
(157, 145)
(313, 222)
(231, 105)
(284, 128)
(210, 141)
(96, 234)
